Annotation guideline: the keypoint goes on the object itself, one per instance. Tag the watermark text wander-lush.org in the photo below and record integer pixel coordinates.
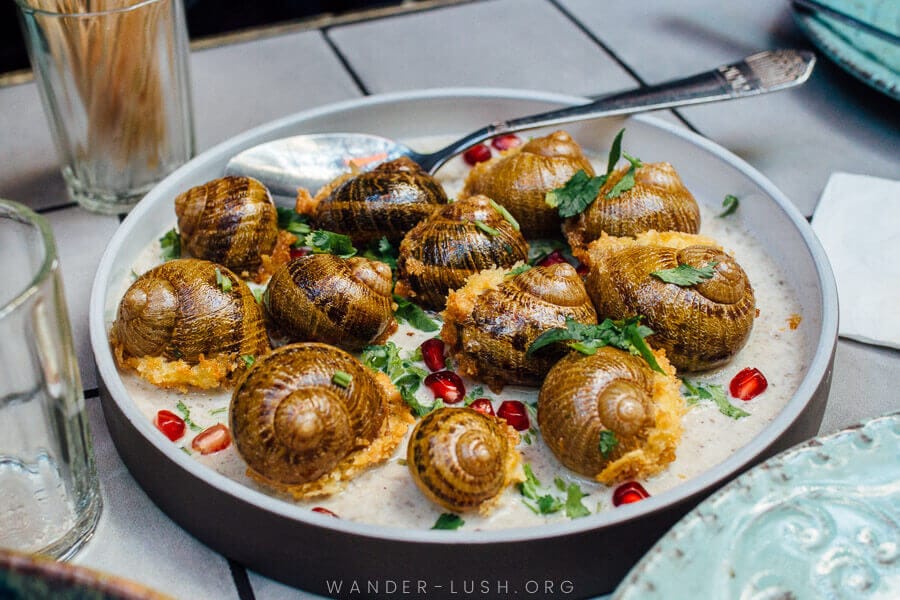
(464, 588)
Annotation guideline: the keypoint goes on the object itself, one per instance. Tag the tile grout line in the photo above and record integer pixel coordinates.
(345, 63)
(241, 580)
(616, 58)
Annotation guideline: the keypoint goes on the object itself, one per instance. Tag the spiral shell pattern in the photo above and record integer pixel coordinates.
(231, 221)
(461, 459)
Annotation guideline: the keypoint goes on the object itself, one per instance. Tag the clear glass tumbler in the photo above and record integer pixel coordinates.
(114, 81)
(49, 494)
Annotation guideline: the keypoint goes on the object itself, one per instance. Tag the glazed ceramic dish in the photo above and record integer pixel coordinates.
(587, 556)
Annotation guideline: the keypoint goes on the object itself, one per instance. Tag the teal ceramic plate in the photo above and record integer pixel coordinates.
(821, 520)
(873, 60)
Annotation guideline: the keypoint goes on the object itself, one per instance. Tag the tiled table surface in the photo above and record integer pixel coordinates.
(583, 47)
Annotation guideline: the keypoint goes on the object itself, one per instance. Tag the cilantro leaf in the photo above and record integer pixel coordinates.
(186, 415)
(293, 222)
(449, 521)
(627, 181)
(505, 214)
(328, 242)
(402, 372)
(730, 204)
(538, 250)
(474, 394)
(686, 275)
(715, 393)
(543, 501)
(223, 281)
(608, 442)
(249, 360)
(518, 270)
(171, 245)
(341, 379)
(574, 506)
(486, 228)
(383, 251)
(576, 195)
(414, 315)
(615, 152)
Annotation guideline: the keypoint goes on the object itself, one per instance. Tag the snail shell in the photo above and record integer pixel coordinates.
(461, 459)
(520, 179)
(386, 201)
(611, 390)
(178, 311)
(325, 298)
(659, 200)
(490, 323)
(439, 253)
(701, 326)
(231, 221)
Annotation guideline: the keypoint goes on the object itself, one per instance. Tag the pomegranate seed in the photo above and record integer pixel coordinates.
(433, 354)
(324, 511)
(628, 492)
(748, 384)
(582, 269)
(484, 406)
(477, 154)
(212, 439)
(554, 258)
(514, 413)
(298, 252)
(447, 386)
(170, 424)
(505, 142)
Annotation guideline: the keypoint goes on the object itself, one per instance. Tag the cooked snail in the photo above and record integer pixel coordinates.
(308, 417)
(491, 322)
(325, 298)
(187, 312)
(386, 201)
(458, 240)
(700, 326)
(231, 221)
(461, 459)
(520, 178)
(659, 200)
(585, 396)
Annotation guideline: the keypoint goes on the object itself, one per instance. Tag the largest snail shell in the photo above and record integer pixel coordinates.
(325, 298)
(521, 178)
(490, 323)
(386, 201)
(293, 424)
(231, 221)
(700, 326)
(439, 253)
(178, 310)
(462, 459)
(613, 391)
(659, 200)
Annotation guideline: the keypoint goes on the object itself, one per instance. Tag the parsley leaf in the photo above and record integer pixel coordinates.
(383, 251)
(574, 506)
(486, 228)
(686, 275)
(505, 214)
(249, 360)
(627, 180)
(697, 391)
(341, 379)
(474, 394)
(328, 242)
(730, 204)
(402, 372)
(449, 521)
(538, 250)
(543, 501)
(608, 442)
(518, 270)
(293, 222)
(171, 245)
(576, 195)
(186, 415)
(414, 315)
(223, 281)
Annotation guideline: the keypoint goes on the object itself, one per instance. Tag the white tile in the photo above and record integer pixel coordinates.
(81, 238)
(135, 540)
(797, 138)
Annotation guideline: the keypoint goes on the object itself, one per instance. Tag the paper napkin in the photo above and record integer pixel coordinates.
(858, 223)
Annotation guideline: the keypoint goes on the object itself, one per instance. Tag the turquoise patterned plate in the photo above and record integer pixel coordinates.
(821, 520)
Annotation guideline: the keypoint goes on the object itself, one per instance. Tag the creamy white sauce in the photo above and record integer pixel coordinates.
(386, 495)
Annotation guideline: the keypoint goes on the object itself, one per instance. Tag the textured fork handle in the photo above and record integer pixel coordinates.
(757, 74)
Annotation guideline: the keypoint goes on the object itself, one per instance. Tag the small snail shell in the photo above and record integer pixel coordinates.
(386, 201)
(491, 321)
(461, 459)
(292, 423)
(439, 253)
(325, 298)
(520, 179)
(700, 326)
(659, 200)
(178, 311)
(611, 390)
(231, 221)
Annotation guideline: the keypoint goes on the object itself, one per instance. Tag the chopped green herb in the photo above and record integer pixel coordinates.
(401, 462)
(416, 355)
(171, 245)
(474, 394)
(341, 379)
(328, 242)
(249, 360)
(219, 411)
(186, 415)
(538, 250)
(608, 442)
(544, 501)
(293, 222)
(486, 228)
(134, 275)
(505, 214)
(627, 180)
(383, 251)
(526, 437)
(686, 275)
(223, 281)
(449, 521)
(185, 450)
(518, 270)
(576, 195)
(715, 393)
(575, 508)
(258, 294)
(730, 204)
(411, 313)
(402, 372)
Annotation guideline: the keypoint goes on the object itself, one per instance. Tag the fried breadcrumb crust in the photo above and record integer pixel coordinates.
(669, 239)
(207, 374)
